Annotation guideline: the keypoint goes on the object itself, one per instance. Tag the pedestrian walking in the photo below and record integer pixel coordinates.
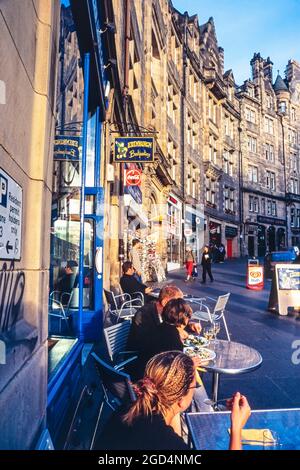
(222, 253)
(206, 265)
(189, 263)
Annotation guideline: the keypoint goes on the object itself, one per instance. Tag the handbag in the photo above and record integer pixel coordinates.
(195, 271)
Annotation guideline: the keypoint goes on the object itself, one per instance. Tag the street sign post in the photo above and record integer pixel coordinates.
(11, 205)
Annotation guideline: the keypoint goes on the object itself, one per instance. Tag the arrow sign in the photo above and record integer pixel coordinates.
(8, 246)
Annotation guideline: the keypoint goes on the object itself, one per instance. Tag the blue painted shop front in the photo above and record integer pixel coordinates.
(76, 268)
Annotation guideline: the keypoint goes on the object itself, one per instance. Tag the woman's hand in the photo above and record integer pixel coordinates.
(195, 327)
(240, 413)
(148, 290)
(182, 333)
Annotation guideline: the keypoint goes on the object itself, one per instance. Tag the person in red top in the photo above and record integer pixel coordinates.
(189, 263)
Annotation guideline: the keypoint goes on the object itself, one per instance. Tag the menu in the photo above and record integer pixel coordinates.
(289, 278)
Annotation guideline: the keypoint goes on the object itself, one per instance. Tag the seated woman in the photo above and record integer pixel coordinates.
(168, 336)
(152, 422)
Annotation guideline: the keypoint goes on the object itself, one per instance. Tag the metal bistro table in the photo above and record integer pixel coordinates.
(231, 358)
(209, 431)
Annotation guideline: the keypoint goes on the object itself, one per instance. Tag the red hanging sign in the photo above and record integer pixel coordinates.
(133, 177)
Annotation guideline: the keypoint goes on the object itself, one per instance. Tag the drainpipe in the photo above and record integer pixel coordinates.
(126, 56)
(125, 104)
(241, 195)
(284, 176)
(182, 127)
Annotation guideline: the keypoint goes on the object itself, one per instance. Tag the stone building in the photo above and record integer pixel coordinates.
(269, 153)
(221, 123)
(289, 106)
(184, 137)
(29, 33)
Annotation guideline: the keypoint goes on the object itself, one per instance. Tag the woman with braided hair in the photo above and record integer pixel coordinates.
(152, 422)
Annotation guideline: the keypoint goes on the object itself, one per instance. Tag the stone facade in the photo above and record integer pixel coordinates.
(212, 138)
(270, 159)
(28, 57)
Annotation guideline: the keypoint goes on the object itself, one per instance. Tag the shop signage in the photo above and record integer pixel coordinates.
(11, 204)
(188, 232)
(214, 228)
(270, 220)
(134, 149)
(135, 193)
(255, 277)
(230, 232)
(133, 177)
(173, 200)
(287, 291)
(67, 147)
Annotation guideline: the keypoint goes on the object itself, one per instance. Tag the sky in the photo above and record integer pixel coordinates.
(271, 27)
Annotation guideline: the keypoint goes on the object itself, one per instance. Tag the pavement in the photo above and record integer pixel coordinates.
(276, 384)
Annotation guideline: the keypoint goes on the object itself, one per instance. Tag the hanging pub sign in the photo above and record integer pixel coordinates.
(133, 177)
(134, 149)
(67, 147)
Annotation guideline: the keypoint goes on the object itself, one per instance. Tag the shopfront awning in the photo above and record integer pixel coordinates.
(135, 209)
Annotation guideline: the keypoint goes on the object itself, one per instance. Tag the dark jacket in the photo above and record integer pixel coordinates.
(144, 324)
(164, 338)
(130, 284)
(145, 433)
(206, 259)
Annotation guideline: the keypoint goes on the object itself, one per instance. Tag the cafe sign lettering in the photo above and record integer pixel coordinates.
(134, 149)
(67, 147)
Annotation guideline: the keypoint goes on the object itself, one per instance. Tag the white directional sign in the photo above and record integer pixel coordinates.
(11, 196)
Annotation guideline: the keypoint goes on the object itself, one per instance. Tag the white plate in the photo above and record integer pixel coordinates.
(203, 353)
(190, 344)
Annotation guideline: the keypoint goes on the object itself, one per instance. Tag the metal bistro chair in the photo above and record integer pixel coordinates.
(59, 308)
(218, 313)
(122, 306)
(116, 337)
(117, 389)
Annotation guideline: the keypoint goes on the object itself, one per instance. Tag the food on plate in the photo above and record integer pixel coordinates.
(196, 341)
(204, 354)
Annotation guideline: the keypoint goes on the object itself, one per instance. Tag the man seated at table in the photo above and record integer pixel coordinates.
(148, 318)
(130, 283)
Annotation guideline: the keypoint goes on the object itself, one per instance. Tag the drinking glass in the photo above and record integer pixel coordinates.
(208, 333)
(271, 444)
(216, 328)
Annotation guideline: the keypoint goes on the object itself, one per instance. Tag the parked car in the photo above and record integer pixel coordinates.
(285, 256)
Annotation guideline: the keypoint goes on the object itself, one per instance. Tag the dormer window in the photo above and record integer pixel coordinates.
(282, 107)
(251, 92)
